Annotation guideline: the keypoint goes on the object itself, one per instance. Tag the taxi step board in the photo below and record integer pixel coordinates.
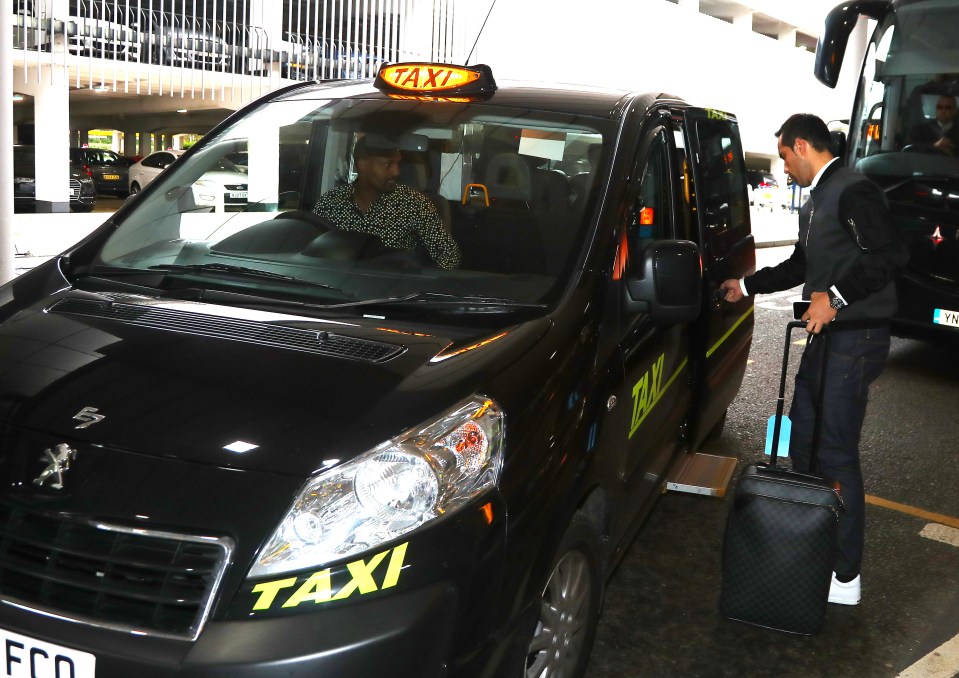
(699, 473)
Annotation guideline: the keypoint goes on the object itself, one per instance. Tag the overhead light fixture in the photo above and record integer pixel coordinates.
(101, 88)
(18, 97)
(181, 110)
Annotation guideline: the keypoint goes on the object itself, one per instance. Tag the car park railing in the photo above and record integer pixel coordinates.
(318, 40)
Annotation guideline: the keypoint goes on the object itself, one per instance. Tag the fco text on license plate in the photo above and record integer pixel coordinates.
(25, 657)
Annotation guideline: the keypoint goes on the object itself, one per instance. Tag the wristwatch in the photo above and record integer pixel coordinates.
(835, 301)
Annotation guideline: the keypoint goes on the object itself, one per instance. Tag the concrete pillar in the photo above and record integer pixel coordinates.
(129, 142)
(143, 147)
(6, 150)
(787, 35)
(743, 19)
(52, 115)
(417, 32)
(265, 15)
(83, 137)
(264, 168)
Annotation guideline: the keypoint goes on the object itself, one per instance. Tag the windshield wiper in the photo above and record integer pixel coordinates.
(433, 299)
(221, 268)
(239, 270)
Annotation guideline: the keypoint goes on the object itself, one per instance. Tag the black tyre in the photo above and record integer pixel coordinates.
(569, 608)
(134, 188)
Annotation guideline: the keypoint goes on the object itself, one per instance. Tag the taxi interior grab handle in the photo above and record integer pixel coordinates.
(473, 190)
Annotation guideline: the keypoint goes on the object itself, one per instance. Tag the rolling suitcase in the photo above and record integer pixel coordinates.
(780, 540)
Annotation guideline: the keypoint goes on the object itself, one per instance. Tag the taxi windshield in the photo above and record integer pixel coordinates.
(348, 201)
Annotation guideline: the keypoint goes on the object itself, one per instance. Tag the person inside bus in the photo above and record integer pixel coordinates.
(377, 204)
(940, 133)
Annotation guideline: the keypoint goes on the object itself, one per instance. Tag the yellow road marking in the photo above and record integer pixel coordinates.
(913, 511)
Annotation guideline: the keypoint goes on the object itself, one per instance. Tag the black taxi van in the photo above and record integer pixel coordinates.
(263, 444)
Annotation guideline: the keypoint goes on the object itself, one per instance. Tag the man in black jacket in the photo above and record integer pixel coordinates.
(847, 258)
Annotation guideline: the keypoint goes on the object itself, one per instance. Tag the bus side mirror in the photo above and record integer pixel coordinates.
(669, 284)
(839, 24)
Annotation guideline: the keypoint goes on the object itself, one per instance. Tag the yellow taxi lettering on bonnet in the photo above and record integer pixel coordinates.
(317, 588)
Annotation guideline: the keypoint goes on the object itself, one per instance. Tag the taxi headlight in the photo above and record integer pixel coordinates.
(421, 475)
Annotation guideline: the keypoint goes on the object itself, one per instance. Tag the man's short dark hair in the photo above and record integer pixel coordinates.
(805, 126)
(372, 144)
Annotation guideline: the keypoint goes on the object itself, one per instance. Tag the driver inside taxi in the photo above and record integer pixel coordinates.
(377, 204)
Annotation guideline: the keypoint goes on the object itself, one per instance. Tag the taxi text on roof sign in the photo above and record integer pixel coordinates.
(432, 78)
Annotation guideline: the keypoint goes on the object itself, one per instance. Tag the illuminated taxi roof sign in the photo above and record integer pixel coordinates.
(433, 79)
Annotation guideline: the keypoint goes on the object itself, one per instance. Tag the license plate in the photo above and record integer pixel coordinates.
(29, 658)
(237, 195)
(942, 316)
(111, 177)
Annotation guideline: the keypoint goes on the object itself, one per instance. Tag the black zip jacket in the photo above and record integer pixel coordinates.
(881, 251)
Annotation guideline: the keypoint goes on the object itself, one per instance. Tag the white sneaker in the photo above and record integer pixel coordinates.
(845, 593)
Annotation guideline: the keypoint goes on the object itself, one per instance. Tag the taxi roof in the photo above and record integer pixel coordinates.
(558, 98)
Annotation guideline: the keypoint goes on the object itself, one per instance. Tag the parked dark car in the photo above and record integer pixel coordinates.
(83, 192)
(107, 169)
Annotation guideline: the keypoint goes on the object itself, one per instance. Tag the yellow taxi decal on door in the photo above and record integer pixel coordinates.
(649, 389)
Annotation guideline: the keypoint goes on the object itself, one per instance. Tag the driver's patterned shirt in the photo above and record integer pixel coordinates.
(403, 219)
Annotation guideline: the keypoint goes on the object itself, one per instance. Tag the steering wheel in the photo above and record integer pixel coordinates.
(923, 148)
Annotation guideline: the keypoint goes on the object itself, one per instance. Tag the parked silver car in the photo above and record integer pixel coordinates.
(223, 188)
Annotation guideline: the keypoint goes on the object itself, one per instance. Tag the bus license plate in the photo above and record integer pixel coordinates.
(237, 195)
(943, 316)
(29, 658)
(111, 177)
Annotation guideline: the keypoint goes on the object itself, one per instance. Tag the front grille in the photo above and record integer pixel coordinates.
(235, 187)
(157, 583)
(74, 188)
(234, 329)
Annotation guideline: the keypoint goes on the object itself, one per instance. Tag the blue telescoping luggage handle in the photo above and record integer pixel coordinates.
(781, 400)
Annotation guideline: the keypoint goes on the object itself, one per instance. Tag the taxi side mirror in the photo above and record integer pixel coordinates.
(668, 282)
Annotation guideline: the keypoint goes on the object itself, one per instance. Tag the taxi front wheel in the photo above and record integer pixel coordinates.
(569, 606)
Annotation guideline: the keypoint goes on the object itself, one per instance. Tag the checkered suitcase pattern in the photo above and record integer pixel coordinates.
(779, 549)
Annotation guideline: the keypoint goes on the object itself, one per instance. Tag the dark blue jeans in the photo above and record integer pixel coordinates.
(856, 358)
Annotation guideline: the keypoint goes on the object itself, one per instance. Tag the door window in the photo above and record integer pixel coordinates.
(650, 215)
(157, 160)
(722, 178)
